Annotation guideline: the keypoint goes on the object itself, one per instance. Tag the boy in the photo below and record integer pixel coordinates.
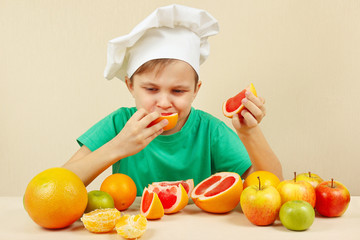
(159, 62)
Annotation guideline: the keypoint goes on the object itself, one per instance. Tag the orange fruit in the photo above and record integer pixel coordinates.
(173, 198)
(55, 198)
(101, 220)
(151, 206)
(171, 117)
(219, 193)
(233, 105)
(122, 189)
(266, 178)
(187, 184)
(131, 226)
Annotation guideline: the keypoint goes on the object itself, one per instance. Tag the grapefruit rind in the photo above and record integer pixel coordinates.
(222, 202)
(230, 114)
(155, 210)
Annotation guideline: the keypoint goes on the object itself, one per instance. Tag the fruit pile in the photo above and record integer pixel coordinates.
(263, 198)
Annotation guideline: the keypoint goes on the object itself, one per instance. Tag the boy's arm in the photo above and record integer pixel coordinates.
(248, 130)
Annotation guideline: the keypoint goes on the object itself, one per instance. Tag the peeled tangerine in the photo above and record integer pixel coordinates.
(101, 220)
(220, 193)
(234, 105)
(131, 226)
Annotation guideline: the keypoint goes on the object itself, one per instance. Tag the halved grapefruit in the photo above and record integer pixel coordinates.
(151, 206)
(173, 198)
(219, 193)
(233, 105)
(187, 184)
(171, 117)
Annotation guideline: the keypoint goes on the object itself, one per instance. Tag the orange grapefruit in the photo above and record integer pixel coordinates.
(131, 226)
(171, 117)
(187, 184)
(151, 206)
(122, 189)
(219, 193)
(55, 198)
(267, 179)
(101, 220)
(233, 105)
(173, 198)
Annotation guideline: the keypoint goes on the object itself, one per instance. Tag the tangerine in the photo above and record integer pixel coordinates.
(267, 179)
(55, 198)
(131, 226)
(101, 220)
(122, 189)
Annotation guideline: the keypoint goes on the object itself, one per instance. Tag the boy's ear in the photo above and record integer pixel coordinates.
(197, 88)
(129, 84)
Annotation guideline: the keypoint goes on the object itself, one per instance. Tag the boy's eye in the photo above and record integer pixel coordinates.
(151, 89)
(178, 91)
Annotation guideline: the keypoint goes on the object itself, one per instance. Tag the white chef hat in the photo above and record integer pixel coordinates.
(174, 31)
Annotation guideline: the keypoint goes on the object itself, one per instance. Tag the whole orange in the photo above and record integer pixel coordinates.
(55, 198)
(266, 178)
(122, 189)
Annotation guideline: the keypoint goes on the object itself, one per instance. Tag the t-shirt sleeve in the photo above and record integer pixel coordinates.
(228, 152)
(104, 130)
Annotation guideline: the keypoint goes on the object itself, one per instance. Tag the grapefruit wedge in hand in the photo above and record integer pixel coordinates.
(234, 105)
(171, 117)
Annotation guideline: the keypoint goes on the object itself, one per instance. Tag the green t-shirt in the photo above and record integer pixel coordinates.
(204, 146)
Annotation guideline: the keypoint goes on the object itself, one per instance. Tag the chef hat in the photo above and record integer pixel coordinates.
(174, 31)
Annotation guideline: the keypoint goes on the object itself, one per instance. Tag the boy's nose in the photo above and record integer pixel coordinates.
(164, 101)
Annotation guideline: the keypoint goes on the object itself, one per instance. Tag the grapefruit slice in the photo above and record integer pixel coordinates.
(151, 206)
(171, 117)
(173, 198)
(233, 105)
(220, 193)
(187, 184)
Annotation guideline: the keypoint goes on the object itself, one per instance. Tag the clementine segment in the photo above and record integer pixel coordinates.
(55, 198)
(267, 179)
(122, 189)
(219, 193)
(101, 220)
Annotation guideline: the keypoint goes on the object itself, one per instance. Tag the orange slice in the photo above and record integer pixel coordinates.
(101, 220)
(233, 105)
(131, 226)
(173, 198)
(151, 206)
(171, 117)
(219, 193)
(187, 184)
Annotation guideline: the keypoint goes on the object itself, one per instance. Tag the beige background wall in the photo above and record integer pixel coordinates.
(303, 57)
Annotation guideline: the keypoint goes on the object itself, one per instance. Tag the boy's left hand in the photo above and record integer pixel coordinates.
(251, 116)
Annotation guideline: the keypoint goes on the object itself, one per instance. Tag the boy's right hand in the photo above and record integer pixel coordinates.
(136, 134)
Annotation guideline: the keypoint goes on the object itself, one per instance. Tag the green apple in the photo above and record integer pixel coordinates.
(297, 215)
(260, 204)
(99, 199)
(309, 177)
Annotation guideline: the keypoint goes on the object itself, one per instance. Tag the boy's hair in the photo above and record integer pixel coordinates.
(159, 65)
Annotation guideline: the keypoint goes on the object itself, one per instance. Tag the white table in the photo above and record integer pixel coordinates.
(190, 223)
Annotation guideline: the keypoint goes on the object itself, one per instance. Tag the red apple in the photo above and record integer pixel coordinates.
(296, 190)
(309, 177)
(332, 198)
(260, 204)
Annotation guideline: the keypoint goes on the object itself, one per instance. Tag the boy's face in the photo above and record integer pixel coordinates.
(170, 90)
